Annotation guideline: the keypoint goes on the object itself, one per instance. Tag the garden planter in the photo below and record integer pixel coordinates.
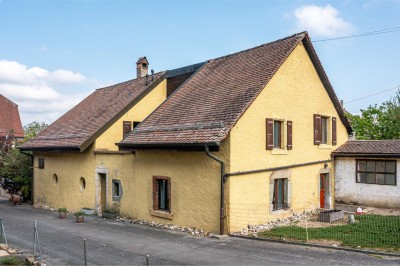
(109, 215)
(62, 215)
(80, 218)
(87, 211)
(330, 216)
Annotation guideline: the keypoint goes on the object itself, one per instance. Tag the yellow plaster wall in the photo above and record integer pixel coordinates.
(137, 113)
(295, 93)
(195, 186)
(67, 192)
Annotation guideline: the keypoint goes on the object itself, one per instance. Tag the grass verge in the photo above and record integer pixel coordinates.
(369, 231)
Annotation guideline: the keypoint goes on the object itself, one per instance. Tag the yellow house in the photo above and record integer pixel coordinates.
(244, 140)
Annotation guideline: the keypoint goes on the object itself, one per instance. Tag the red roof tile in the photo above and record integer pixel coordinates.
(80, 126)
(206, 107)
(10, 121)
(369, 147)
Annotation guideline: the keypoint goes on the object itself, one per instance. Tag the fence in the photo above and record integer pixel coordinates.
(304, 222)
(45, 245)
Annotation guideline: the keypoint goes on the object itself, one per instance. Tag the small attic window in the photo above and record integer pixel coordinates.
(144, 65)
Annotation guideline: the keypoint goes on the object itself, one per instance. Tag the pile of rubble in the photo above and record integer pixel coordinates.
(17, 257)
(253, 230)
(172, 227)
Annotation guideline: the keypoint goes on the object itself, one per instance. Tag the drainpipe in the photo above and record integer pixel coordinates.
(30, 155)
(222, 208)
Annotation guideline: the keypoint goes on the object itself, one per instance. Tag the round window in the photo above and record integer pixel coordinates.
(83, 183)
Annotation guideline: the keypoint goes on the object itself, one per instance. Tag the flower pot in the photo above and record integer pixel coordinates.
(80, 218)
(62, 215)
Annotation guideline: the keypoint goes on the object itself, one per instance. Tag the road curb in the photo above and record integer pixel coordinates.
(317, 246)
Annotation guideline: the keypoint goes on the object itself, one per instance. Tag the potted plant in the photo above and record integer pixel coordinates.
(111, 213)
(80, 216)
(62, 213)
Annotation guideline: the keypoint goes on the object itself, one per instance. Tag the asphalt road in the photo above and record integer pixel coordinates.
(114, 243)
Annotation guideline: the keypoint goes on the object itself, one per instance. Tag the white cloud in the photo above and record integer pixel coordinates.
(322, 21)
(42, 95)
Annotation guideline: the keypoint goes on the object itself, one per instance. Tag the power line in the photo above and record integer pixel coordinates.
(379, 92)
(376, 32)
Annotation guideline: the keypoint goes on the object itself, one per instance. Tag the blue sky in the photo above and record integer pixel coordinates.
(54, 53)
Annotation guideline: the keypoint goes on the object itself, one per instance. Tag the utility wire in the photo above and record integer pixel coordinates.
(379, 92)
(376, 32)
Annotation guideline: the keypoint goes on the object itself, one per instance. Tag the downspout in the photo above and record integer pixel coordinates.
(30, 155)
(222, 208)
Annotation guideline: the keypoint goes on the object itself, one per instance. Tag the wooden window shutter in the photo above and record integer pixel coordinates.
(289, 135)
(155, 194)
(317, 129)
(334, 141)
(127, 127)
(270, 133)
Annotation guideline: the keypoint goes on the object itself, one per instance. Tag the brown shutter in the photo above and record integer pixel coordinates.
(169, 196)
(155, 193)
(317, 129)
(334, 141)
(289, 134)
(270, 133)
(127, 127)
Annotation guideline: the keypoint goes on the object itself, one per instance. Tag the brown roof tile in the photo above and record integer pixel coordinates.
(10, 120)
(206, 107)
(79, 127)
(369, 147)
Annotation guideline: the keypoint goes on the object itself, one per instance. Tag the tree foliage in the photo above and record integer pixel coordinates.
(378, 122)
(15, 167)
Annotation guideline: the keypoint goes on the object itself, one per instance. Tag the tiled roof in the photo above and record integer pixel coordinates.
(10, 120)
(369, 147)
(79, 127)
(206, 107)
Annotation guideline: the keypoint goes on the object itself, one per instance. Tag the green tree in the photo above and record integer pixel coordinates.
(378, 122)
(15, 167)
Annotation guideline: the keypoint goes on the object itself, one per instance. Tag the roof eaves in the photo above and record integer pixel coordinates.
(152, 86)
(367, 155)
(324, 78)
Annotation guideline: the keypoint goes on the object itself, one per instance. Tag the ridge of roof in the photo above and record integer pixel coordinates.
(10, 120)
(300, 34)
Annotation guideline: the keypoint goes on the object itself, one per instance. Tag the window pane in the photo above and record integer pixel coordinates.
(362, 165)
(380, 179)
(370, 166)
(371, 178)
(285, 193)
(115, 189)
(324, 121)
(362, 178)
(380, 166)
(277, 134)
(390, 179)
(162, 194)
(391, 167)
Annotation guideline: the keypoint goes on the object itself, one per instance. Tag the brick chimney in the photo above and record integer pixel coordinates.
(142, 67)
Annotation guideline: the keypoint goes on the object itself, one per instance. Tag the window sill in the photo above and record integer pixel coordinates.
(162, 214)
(279, 152)
(325, 146)
(280, 211)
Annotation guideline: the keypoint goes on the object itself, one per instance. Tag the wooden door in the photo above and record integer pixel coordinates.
(322, 191)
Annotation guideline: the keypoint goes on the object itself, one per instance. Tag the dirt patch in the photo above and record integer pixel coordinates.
(384, 212)
(325, 242)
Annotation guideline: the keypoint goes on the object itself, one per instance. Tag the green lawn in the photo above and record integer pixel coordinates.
(371, 231)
